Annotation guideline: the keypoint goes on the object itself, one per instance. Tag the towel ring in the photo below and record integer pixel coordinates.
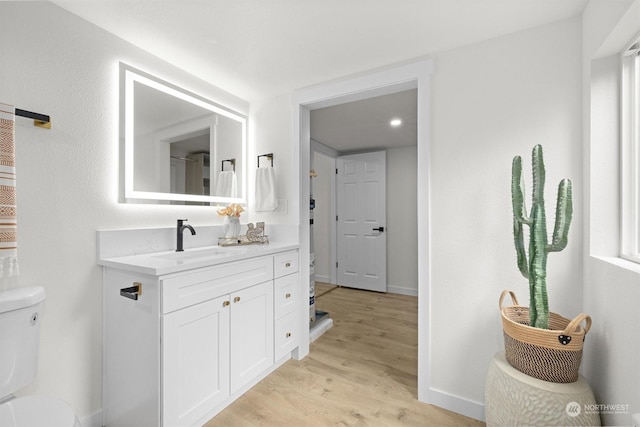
(269, 156)
(233, 164)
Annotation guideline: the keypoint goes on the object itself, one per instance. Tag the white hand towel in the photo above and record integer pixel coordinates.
(265, 189)
(227, 184)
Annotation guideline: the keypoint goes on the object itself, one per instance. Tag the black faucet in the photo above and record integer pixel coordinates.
(181, 228)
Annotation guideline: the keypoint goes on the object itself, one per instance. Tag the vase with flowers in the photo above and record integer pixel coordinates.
(231, 225)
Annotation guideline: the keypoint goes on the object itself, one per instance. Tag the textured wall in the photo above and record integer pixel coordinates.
(67, 179)
(490, 102)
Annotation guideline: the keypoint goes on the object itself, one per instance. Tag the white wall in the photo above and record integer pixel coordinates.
(324, 167)
(492, 101)
(402, 220)
(67, 179)
(270, 129)
(611, 285)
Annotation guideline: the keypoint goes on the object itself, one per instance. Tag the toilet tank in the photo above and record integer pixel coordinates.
(19, 337)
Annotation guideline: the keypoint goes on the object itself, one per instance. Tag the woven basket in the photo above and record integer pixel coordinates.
(552, 354)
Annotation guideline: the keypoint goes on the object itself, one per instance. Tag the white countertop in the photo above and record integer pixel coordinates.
(162, 263)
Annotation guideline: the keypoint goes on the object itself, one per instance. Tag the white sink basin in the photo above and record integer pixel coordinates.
(208, 252)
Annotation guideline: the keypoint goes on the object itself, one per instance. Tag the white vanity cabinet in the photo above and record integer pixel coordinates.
(235, 330)
(195, 340)
(287, 301)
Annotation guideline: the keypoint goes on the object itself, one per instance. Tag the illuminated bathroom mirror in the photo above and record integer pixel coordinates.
(180, 148)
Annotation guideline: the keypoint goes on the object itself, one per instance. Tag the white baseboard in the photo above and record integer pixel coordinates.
(322, 279)
(320, 328)
(460, 405)
(402, 291)
(93, 420)
(391, 289)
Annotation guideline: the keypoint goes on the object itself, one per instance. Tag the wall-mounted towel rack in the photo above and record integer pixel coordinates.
(233, 164)
(40, 120)
(268, 156)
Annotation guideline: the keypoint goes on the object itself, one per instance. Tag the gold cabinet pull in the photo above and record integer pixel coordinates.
(236, 299)
(288, 334)
(287, 265)
(226, 304)
(287, 295)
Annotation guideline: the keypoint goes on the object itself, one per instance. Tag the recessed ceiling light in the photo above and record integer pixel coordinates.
(395, 123)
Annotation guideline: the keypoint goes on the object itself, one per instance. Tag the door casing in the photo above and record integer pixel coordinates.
(367, 85)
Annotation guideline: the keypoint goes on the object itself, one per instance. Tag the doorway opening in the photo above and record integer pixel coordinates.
(366, 180)
(401, 78)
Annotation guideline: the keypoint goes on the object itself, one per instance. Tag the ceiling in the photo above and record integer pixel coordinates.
(365, 125)
(262, 48)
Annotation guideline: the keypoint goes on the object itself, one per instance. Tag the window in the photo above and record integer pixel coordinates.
(630, 152)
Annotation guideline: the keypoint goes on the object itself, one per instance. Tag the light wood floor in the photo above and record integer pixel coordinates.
(362, 372)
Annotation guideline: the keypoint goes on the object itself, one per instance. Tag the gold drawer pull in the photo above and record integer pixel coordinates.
(287, 295)
(288, 334)
(287, 265)
(226, 303)
(236, 299)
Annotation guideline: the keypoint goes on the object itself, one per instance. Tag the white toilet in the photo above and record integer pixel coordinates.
(19, 342)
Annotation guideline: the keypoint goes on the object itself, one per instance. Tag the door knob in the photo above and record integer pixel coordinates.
(380, 229)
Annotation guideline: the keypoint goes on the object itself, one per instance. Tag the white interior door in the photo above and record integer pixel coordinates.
(361, 221)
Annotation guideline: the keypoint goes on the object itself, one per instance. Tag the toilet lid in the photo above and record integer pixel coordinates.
(36, 411)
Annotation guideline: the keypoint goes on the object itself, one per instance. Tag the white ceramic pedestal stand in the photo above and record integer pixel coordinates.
(516, 399)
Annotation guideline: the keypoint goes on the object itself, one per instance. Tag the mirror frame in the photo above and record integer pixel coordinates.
(129, 76)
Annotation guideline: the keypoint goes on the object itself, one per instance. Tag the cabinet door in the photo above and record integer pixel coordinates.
(251, 333)
(195, 361)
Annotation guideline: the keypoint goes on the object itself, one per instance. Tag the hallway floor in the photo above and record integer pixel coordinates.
(361, 372)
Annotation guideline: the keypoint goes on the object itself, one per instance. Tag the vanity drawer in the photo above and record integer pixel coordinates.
(286, 330)
(286, 294)
(285, 263)
(184, 290)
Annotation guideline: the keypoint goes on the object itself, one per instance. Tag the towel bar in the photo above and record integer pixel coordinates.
(132, 292)
(232, 161)
(40, 120)
(269, 156)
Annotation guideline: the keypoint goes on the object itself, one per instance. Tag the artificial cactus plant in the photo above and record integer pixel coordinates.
(533, 265)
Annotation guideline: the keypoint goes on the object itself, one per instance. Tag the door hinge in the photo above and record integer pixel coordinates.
(336, 171)
(336, 218)
(336, 264)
